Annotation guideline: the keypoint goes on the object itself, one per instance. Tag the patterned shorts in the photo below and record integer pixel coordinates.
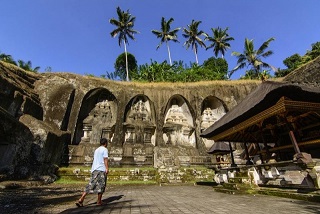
(97, 183)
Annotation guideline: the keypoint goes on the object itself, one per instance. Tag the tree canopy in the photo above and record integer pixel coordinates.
(124, 30)
(166, 34)
(252, 57)
(120, 65)
(192, 34)
(219, 41)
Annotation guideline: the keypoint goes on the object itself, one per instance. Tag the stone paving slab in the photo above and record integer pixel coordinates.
(188, 199)
(145, 199)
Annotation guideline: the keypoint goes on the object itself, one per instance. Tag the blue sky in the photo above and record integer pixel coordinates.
(74, 35)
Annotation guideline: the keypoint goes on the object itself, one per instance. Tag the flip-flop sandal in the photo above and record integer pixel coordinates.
(79, 204)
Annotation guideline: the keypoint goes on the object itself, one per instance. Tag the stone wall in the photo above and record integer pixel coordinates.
(64, 115)
(138, 117)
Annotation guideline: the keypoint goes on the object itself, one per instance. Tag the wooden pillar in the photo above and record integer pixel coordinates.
(294, 142)
(275, 136)
(232, 158)
(247, 154)
(291, 135)
(260, 154)
(265, 144)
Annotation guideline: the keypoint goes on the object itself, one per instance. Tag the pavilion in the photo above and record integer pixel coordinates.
(280, 123)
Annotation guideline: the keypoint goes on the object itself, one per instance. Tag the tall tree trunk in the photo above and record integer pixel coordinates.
(195, 53)
(125, 51)
(169, 53)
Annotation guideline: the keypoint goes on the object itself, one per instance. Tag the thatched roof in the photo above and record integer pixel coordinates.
(265, 96)
(306, 74)
(219, 148)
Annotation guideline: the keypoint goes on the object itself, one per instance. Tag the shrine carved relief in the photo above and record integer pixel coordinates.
(209, 116)
(178, 128)
(139, 124)
(98, 123)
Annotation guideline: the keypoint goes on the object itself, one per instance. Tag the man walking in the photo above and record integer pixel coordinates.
(99, 171)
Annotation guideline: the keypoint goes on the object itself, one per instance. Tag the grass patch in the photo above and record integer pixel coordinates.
(67, 180)
(134, 182)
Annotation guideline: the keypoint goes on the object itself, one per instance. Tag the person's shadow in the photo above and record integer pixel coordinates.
(92, 208)
(111, 199)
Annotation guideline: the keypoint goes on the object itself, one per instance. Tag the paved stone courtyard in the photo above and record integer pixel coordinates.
(147, 199)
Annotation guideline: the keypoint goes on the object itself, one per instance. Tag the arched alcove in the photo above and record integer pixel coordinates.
(212, 109)
(179, 126)
(139, 121)
(97, 117)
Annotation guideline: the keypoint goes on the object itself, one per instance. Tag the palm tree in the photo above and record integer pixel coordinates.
(7, 58)
(27, 66)
(252, 57)
(219, 41)
(124, 26)
(166, 35)
(192, 34)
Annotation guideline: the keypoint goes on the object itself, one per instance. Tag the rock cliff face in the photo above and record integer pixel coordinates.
(57, 118)
(25, 139)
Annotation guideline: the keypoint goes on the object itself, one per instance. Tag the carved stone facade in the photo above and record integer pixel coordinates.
(140, 145)
(178, 130)
(139, 129)
(213, 110)
(97, 124)
(145, 123)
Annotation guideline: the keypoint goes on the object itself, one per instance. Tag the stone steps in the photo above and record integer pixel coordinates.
(294, 193)
(115, 175)
(152, 175)
(301, 194)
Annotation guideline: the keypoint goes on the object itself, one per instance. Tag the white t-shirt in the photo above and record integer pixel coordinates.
(98, 159)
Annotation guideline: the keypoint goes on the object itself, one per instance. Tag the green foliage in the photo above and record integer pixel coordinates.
(89, 75)
(166, 35)
(155, 72)
(218, 67)
(282, 72)
(253, 58)
(295, 61)
(292, 62)
(192, 34)
(315, 50)
(249, 75)
(252, 74)
(120, 65)
(27, 66)
(124, 25)
(219, 41)
(212, 69)
(111, 76)
(264, 75)
(7, 58)
(48, 69)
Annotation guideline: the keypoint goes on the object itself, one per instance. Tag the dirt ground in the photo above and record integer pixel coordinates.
(24, 197)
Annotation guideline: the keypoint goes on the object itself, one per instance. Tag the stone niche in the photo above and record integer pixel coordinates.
(97, 119)
(139, 127)
(212, 110)
(178, 129)
(180, 148)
